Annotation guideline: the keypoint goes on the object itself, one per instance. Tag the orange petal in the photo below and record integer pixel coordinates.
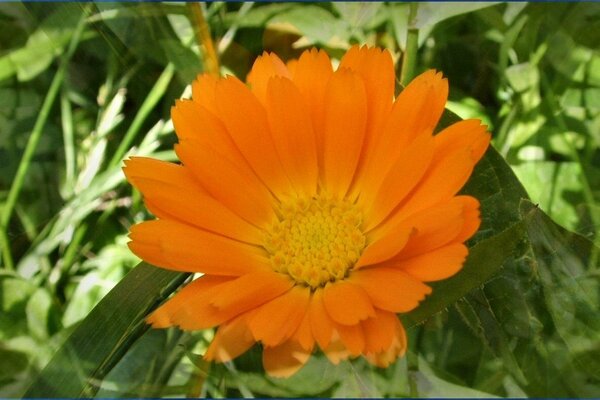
(194, 122)
(435, 227)
(434, 265)
(311, 76)
(439, 185)
(293, 134)
(145, 167)
(232, 339)
(284, 360)
(396, 183)
(384, 358)
(390, 289)
(246, 122)
(320, 323)
(277, 320)
(379, 331)
(352, 337)
(303, 334)
(251, 290)
(203, 91)
(471, 217)
(150, 253)
(266, 66)
(336, 351)
(190, 249)
(464, 134)
(346, 304)
(416, 111)
(385, 247)
(457, 149)
(291, 66)
(192, 295)
(376, 68)
(237, 188)
(344, 130)
(173, 190)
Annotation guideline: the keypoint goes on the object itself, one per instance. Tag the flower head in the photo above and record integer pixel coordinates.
(315, 204)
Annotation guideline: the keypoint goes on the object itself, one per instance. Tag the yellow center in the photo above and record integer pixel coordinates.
(316, 241)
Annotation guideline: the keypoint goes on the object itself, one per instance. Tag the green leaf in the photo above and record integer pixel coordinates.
(501, 237)
(42, 46)
(522, 76)
(11, 363)
(429, 14)
(314, 22)
(41, 314)
(429, 385)
(108, 332)
(553, 185)
(567, 265)
(258, 16)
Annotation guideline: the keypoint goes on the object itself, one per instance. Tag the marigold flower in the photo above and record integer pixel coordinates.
(315, 205)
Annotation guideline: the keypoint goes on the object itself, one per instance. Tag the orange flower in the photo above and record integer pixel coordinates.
(314, 204)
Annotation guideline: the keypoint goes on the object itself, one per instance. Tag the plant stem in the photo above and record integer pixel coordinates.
(209, 55)
(153, 97)
(69, 143)
(409, 60)
(34, 139)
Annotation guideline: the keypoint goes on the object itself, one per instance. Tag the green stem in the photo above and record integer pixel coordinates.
(409, 60)
(34, 139)
(157, 91)
(68, 139)
(209, 55)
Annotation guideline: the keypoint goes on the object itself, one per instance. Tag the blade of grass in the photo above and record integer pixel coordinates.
(66, 117)
(34, 139)
(105, 335)
(157, 91)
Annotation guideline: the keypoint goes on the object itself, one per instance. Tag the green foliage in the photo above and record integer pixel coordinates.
(522, 317)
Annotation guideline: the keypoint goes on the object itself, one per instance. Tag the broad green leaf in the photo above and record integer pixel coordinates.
(553, 185)
(316, 23)
(11, 363)
(315, 379)
(361, 14)
(41, 314)
(258, 16)
(42, 46)
(540, 316)
(429, 14)
(106, 335)
(522, 76)
(567, 265)
(500, 238)
(429, 385)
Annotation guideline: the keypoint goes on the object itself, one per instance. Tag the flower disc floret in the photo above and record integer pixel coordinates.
(316, 241)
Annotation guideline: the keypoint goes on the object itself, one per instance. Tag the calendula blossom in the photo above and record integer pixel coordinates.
(316, 205)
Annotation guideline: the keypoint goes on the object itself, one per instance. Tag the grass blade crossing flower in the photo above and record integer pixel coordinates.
(315, 204)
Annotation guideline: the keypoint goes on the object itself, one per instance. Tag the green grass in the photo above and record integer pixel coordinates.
(84, 85)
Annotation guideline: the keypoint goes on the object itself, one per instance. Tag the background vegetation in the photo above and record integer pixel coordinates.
(84, 85)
